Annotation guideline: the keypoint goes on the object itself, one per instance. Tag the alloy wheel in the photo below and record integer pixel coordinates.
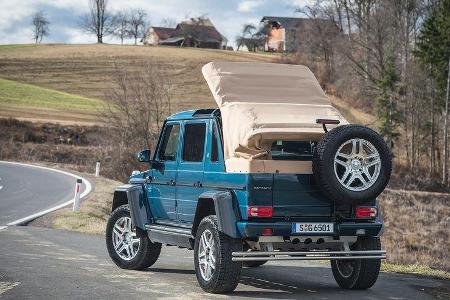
(125, 242)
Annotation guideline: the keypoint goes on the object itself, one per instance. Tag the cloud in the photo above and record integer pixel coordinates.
(249, 5)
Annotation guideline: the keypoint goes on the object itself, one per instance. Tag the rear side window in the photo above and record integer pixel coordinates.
(194, 142)
(169, 144)
(292, 150)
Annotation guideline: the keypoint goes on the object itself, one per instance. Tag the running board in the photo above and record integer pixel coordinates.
(169, 235)
(308, 255)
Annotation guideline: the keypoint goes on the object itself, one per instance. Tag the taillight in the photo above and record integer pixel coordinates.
(260, 211)
(267, 231)
(366, 212)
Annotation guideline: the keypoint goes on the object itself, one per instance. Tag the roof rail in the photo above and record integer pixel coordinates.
(204, 112)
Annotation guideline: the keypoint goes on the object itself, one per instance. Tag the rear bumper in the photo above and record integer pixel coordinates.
(254, 229)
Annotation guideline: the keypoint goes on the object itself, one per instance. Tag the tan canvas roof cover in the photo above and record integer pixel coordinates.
(263, 102)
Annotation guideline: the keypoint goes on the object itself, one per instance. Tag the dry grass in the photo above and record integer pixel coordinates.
(88, 70)
(415, 269)
(416, 228)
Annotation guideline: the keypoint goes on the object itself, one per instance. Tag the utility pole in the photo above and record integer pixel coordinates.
(445, 166)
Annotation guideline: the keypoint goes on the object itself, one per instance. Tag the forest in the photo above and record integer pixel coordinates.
(390, 58)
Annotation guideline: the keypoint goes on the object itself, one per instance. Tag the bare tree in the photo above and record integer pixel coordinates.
(447, 99)
(98, 21)
(40, 23)
(121, 25)
(137, 24)
(136, 109)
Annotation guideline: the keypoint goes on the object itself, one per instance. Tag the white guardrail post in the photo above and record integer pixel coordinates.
(76, 200)
(97, 169)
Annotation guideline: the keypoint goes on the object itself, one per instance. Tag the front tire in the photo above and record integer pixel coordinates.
(126, 249)
(215, 270)
(358, 274)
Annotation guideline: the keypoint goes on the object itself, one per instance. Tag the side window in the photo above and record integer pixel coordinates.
(214, 147)
(194, 142)
(169, 145)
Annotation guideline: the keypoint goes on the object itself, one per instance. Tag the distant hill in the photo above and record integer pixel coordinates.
(84, 73)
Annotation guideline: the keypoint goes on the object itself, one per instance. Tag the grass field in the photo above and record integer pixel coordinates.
(84, 73)
(21, 94)
(89, 70)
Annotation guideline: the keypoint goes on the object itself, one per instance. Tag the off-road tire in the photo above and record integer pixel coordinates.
(227, 272)
(365, 271)
(254, 264)
(323, 165)
(147, 253)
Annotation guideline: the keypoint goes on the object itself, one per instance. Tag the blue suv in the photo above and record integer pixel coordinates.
(232, 217)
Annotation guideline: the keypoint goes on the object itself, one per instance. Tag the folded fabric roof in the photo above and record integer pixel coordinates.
(264, 102)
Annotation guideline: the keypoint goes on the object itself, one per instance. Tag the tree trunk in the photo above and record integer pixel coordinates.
(432, 146)
(445, 164)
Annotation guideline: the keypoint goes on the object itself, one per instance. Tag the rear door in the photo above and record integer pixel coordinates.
(190, 170)
(296, 194)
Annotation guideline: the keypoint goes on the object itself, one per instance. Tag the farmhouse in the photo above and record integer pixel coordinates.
(288, 34)
(196, 32)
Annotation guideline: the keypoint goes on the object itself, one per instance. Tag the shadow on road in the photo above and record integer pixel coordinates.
(171, 271)
(283, 282)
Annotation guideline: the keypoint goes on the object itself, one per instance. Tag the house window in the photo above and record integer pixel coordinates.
(169, 144)
(194, 142)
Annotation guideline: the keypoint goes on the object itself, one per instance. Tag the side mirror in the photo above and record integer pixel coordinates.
(144, 156)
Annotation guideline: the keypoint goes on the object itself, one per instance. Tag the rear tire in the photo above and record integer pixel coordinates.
(214, 248)
(358, 274)
(143, 256)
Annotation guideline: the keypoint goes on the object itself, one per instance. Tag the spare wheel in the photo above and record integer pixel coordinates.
(352, 164)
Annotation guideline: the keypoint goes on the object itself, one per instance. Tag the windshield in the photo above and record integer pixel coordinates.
(292, 150)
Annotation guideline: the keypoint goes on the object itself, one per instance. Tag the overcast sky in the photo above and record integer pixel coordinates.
(227, 15)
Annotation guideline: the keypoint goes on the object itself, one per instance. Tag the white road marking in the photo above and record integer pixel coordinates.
(87, 190)
(3, 227)
(1, 186)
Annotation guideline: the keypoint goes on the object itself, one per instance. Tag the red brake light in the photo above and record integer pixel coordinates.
(260, 211)
(366, 212)
(267, 231)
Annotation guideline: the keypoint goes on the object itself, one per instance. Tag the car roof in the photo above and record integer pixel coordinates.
(204, 113)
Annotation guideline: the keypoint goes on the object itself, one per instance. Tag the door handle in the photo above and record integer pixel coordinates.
(198, 184)
(172, 183)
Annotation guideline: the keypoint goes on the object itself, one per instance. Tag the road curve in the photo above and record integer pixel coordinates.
(27, 190)
(41, 263)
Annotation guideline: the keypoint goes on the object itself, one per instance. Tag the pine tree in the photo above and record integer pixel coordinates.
(387, 112)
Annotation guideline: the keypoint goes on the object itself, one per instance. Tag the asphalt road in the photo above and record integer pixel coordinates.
(25, 190)
(39, 263)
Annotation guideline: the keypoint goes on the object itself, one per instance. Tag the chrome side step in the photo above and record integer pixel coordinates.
(168, 230)
(308, 255)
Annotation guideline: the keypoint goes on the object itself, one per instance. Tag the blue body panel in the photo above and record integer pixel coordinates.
(294, 197)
